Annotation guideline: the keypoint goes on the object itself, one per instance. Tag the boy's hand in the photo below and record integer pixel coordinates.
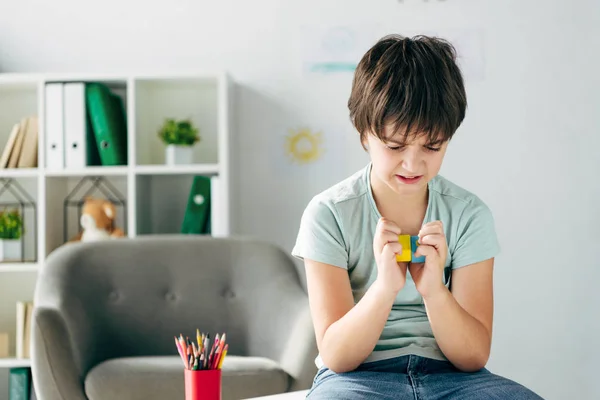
(428, 276)
(390, 273)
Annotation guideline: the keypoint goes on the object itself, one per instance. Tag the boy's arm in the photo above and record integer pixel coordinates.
(462, 320)
(346, 333)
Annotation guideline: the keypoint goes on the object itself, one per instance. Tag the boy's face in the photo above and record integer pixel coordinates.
(405, 168)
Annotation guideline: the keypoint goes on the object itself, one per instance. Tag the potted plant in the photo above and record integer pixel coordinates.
(180, 137)
(11, 232)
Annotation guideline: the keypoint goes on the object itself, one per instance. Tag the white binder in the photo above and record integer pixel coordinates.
(219, 223)
(75, 125)
(55, 158)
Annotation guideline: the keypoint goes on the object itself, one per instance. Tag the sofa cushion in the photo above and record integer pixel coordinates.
(148, 378)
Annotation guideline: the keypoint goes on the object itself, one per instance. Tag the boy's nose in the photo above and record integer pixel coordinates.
(411, 161)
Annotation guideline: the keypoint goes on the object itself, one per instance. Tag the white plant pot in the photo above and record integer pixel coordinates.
(10, 250)
(178, 155)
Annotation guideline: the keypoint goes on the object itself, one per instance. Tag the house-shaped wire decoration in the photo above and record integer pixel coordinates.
(22, 201)
(95, 183)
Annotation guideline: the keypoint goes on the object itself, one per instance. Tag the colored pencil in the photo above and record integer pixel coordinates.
(202, 354)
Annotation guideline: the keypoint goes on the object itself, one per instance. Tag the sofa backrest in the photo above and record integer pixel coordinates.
(130, 297)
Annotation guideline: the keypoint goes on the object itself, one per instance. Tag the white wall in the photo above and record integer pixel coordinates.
(529, 145)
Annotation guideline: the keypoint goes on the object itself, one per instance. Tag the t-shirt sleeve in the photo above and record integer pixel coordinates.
(476, 236)
(320, 236)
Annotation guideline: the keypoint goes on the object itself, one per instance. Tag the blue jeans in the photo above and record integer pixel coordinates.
(415, 378)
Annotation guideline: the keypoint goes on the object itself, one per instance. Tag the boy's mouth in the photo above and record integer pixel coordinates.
(409, 179)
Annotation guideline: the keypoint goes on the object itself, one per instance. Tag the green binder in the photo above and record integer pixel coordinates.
(109, 123)
(92, 153)
(19, 383)
(197, 214)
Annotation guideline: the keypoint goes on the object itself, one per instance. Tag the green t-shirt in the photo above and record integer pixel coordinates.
(337, 228)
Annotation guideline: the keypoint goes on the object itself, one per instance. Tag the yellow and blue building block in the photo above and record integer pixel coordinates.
(409, 246)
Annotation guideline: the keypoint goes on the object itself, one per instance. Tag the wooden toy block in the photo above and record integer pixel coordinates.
(409, 246)
(405, 256)
(414, 243)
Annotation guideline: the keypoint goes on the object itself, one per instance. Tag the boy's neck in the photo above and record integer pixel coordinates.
(388, 200)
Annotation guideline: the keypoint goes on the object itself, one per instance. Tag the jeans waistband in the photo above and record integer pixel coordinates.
(408, 364)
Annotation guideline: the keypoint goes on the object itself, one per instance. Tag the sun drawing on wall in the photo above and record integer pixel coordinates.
(303, 146)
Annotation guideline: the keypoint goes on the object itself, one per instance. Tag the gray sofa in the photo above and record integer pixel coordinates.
(106, 313)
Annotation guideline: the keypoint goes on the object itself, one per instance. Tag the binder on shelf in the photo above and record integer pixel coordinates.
(218, 218)
(109, 123)
(196, 219)
(54, 97)
(75, 125)
(92, 153)
(20, 386)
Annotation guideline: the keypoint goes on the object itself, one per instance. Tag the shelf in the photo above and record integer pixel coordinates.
(152, 197)
(190, 98)
(63, 224)
(89, 171)
(18, 78)
(19, 267)
(200, 169)
(15, 362)
(19, 172)
(157, 169)
(18, 100)
(20, 194)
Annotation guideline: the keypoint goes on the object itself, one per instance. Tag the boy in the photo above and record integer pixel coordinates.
(388, 329)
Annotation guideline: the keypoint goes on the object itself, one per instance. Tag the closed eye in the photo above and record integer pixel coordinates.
(431, 148)
(395, 147)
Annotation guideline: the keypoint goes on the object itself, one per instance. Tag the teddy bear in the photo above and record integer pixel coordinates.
(97, 220)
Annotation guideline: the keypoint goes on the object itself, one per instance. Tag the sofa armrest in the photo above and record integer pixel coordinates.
(53, 363)
(299, 346)
(66, 342)
(282, 329)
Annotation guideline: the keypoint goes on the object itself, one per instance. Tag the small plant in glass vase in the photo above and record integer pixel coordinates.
(11, 233)
(180, 137)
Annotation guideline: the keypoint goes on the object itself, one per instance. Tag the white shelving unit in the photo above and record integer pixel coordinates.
(156, 194)
(14, 363)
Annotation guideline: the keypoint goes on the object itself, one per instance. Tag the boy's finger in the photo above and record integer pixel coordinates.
(383, 238)
(389, 236)
(431, 229)
(425, 250)
(435, 240)
(391, 249)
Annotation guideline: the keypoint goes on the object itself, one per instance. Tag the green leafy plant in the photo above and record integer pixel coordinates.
(182, 133)
(11, 224)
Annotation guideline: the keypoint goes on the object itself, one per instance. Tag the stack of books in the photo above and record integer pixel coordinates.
(23, 328)
(21, 148)
(3, 345)
(20, 382)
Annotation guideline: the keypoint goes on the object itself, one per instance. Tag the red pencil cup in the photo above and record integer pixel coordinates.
(203, 384)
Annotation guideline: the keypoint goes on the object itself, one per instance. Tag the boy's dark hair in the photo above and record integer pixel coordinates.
(411, 84)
